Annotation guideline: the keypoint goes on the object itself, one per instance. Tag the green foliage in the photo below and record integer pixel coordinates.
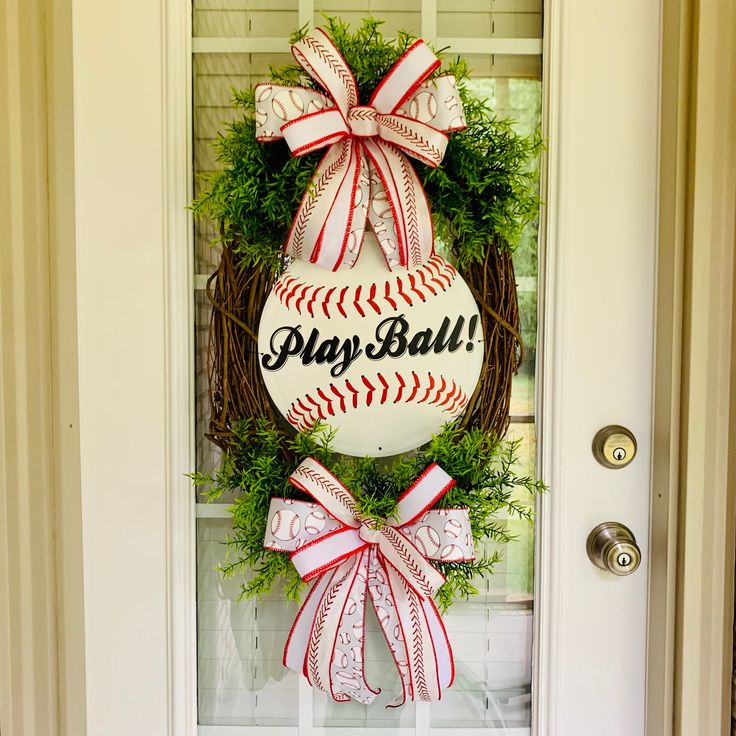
(482, 195)
(261, 458)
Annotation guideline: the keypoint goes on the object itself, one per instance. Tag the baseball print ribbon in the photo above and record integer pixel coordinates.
(352, 561)
(364, 175)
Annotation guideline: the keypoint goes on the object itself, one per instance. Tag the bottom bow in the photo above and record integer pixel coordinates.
(352, 561)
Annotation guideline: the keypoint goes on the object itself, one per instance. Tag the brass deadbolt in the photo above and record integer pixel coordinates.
(614, 446)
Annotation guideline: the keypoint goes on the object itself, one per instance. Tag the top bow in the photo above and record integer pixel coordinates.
(364, 173)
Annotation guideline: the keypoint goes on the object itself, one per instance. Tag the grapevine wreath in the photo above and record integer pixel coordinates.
(318, 497)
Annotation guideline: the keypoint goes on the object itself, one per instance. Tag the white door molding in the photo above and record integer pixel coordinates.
(131, 102)
(601, 194)
(180, 450)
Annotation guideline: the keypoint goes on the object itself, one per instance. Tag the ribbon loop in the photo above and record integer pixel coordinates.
(406, 115)
(353, 559)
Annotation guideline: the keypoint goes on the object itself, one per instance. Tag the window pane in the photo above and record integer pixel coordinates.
(241, 678)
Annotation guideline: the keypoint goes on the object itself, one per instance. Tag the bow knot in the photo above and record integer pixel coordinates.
(369, 533)
(363, 121)
(365, 163)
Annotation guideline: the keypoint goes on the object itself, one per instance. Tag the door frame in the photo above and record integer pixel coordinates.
(691, 632)
(156, 698)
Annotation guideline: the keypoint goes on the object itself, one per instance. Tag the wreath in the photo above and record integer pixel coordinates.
(481, 198)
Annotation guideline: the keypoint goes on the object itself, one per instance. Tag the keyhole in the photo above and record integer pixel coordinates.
(624, 559)
(619, 454)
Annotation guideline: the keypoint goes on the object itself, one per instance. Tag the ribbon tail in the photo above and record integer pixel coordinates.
(442, 648)
(418, 638)
(382, 219)
(347, 674)
(326, 628)
(388, 619)
(295, 651)
(408, 203)
(342, 233)
(314, 208)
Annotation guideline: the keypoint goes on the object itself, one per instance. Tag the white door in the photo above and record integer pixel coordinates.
(553, 646)
(597, 99)
(594, 368)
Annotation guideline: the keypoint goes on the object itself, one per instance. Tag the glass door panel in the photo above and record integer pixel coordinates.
(243, 687)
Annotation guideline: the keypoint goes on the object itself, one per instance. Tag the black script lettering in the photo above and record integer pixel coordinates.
(349, 352)
(341, 354)
(440, 342)
(451, 343)
(421, 343)
(288, 342)
(455, 342)
(292, 344)
(308, 356)
(390, 339)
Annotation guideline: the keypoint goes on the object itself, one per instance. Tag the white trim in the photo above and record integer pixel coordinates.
(566, 424)
(429, 20)
(422, 719)
(546, 595)
(265, 45)
(355, 731)
(306, 708)
(306, 12)
(179, 311)
(501, 46)
(212, 510)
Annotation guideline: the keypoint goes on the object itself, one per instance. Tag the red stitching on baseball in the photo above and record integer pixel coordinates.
(297, 294)
(449, 395)
(415, 388)
(339, 396)
(372, 299)
(312, 299)
(384, 383)
(341, 299)
(427, 389)
(298, 303)
(326, 302)
(322, 396)
(371, 389)
(387, 295)
(356, 301)
(402, 384)
(355, 393)
(400, 288)
(413, 286)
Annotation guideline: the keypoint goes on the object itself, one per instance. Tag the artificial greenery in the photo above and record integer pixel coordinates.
(261, 457)
(481, 196)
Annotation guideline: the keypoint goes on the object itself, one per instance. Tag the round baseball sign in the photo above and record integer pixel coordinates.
(386, 358)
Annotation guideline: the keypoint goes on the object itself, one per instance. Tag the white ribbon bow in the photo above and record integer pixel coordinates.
(364, 174)
(353, 561)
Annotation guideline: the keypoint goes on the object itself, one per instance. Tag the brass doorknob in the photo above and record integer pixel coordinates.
(612, 547)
